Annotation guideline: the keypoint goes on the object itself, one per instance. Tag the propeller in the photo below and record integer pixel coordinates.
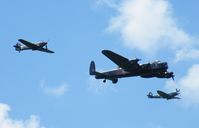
(47, 44)
(172, 76)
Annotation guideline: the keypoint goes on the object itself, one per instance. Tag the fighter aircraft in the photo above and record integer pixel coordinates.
(32, 46)
(130, 68)
(164, 95)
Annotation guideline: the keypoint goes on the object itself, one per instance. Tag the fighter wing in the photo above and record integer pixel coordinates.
(120, 60)
(30, 45)
(163, 94)
(155, 96)
(45, 50)
(176, 98)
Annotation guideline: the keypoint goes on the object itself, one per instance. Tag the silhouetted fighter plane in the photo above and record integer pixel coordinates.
(164, 95)
(129, 68)
(32, 46)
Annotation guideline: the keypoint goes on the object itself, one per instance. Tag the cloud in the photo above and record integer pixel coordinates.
(189, 85)
(7, 122)
(148, 24)
(55, 91)
(186, 54)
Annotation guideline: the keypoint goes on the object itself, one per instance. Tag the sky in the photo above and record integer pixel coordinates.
(41, 90)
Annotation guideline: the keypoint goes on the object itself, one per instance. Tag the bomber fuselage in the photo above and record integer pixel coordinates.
(144, 70)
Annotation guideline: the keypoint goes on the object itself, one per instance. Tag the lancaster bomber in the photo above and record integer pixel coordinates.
(130, 68)
(164, 95)
(40, 46)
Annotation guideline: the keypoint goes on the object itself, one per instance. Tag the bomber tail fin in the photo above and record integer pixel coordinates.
(92, 70)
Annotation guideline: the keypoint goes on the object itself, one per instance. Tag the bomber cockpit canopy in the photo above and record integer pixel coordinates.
(156, 62)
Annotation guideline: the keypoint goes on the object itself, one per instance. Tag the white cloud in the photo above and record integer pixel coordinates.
(148, 24)
(55, 91)
(7, 122)
(189, 85)
(186, 54)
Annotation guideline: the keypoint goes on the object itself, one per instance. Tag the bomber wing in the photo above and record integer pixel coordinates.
(27, 43)
(121, 61)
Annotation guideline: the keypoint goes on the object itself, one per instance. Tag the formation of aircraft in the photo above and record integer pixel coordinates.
(40, 46)
(126, 67)
(164, 95)
(130, 68)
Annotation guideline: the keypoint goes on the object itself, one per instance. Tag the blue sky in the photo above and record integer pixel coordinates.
(40, 90)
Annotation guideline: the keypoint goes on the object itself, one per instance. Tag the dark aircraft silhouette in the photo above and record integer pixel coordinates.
(164, 95)
(32, 46)
(130, 68)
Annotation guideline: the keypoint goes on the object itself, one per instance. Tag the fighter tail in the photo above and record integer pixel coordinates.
(17, 47)
(177, 90)
(150, 95)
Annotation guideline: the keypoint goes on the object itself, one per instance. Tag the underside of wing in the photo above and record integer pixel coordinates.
(119, 60)
(27, 43)
(45, 50)
(156, 96)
